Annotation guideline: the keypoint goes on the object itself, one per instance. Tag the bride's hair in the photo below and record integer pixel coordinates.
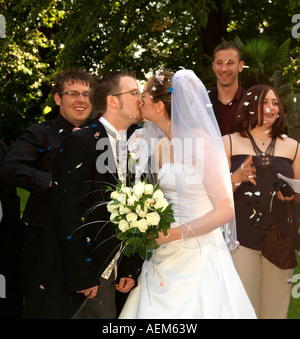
(159, 88)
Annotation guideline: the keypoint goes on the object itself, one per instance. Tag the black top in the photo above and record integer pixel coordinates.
(253, 203)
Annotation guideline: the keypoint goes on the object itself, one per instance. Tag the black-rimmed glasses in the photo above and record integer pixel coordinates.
(75, 94)
(133, 91)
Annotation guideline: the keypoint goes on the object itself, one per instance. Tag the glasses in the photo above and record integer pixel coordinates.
(135, 92)
(75, 94)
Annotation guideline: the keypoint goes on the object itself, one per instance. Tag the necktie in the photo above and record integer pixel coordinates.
(121, 153)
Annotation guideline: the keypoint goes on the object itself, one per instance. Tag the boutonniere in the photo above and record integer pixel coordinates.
(96, 135)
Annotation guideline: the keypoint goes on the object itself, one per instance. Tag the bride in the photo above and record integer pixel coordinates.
(191, 274)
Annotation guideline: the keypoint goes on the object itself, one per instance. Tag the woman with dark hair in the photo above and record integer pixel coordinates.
(256, 153)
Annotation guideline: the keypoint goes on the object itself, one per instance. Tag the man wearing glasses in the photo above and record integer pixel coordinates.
(29, 163)
(84, 265)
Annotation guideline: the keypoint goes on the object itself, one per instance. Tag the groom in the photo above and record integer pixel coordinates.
(77, 273)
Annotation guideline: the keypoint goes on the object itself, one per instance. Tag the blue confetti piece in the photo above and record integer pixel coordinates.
(49, 148)
(40, 150)
(171, 89)
(60, 150)
(69, 237)
(88, 260)
(93, 125)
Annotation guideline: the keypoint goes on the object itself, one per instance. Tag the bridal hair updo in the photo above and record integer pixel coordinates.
(159, 88)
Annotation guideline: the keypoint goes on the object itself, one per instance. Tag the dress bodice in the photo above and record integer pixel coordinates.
(191, 206)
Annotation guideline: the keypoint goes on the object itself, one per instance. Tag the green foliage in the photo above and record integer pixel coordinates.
(264, 57)
(44, 37)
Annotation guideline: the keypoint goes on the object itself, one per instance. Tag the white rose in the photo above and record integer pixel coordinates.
(126, 190)
(134, 224)
(122, 198)
(158, 194)
(141, 213)
(148, 189)
(149, 203)
(161, 203)
(112, 217)
(153, 218)
(123, 209)
(143, 225)
(123, 225)
(139, 189)
(112, 206)
(131, 200)
(130, 217)
(114, 195)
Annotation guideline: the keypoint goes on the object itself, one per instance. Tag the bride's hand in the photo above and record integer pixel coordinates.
(173, 234)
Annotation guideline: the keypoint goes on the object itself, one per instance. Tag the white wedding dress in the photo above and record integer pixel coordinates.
(184, 283)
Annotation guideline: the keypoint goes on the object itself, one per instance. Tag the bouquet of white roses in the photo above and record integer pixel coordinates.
(140, 212)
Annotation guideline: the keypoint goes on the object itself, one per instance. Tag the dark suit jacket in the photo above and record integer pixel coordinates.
(29, 165)
(80, 243)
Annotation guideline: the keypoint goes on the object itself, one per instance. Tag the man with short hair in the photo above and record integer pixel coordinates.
(226, 95)
(78, 272)
(29, 164)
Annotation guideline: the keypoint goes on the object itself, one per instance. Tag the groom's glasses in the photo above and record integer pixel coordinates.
(134, 92)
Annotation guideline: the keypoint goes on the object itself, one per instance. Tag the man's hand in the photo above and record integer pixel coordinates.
(125, 285)
(89, 292)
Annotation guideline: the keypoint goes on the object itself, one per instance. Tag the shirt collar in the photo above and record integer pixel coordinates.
(111, 127)
(238, 94)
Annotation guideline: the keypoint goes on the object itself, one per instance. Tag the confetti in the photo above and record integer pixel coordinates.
(251, 112)
(171, 89)
(268, 110)
(254, 212)
(42, 287)
(246, 103)
(249, 93)
(257, 193)
(153, 88)
(162, 284)
(69, 237)
(88, 260)
(249, 194)
(209, 105)
(79, 165)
